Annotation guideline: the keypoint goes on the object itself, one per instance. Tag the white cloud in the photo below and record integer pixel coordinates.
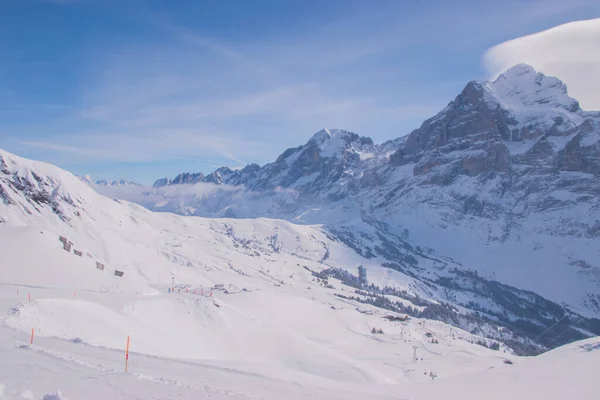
(149, 196)
(571, 52)
(155, 145)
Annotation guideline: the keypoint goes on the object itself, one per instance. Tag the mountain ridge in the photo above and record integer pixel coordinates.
(505, 94)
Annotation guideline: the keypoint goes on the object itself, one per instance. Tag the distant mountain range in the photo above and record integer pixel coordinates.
(102, 182)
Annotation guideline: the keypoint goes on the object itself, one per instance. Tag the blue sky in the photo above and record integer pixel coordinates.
(144, 89)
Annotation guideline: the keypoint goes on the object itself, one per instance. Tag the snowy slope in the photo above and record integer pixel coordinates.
(564, 372)
(246, 317)
(81, 371)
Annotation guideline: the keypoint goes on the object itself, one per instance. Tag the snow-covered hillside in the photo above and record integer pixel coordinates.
(229, 307)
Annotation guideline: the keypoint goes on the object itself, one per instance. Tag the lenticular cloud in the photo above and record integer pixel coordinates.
(570, 51)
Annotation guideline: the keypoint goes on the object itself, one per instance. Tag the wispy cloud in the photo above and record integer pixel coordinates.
(64, 148)
(154, 146)
(149, 196)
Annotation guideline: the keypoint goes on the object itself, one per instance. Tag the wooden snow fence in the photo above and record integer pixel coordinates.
(66, 244)
(392, 318)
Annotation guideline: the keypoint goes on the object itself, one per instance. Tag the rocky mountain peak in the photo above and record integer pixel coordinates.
(522, 86)
(333, 142)
(477, 132)
(327, 134)
(519, 70)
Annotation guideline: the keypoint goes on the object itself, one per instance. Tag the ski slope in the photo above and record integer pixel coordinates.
(296, 331)
(566, 372)
(81, 371)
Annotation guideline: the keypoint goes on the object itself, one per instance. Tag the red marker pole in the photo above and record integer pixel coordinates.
(127, 354)
(29, 297)
(31, 340)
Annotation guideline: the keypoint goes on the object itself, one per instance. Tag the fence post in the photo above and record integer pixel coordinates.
(127, 354)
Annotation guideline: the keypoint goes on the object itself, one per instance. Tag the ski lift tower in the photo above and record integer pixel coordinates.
(414, 354)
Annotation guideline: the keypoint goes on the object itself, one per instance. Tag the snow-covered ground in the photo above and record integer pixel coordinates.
(268, 332)
(317, 357)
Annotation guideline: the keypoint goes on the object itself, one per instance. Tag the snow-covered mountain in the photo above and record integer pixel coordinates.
(402, 277)
(120, 182)
(103, 182)
(504, 181)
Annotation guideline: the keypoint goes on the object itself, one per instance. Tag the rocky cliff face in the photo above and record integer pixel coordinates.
(504, 180)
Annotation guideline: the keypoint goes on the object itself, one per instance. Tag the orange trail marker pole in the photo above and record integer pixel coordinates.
(127, 354)
(31, 340)
(29, 297)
